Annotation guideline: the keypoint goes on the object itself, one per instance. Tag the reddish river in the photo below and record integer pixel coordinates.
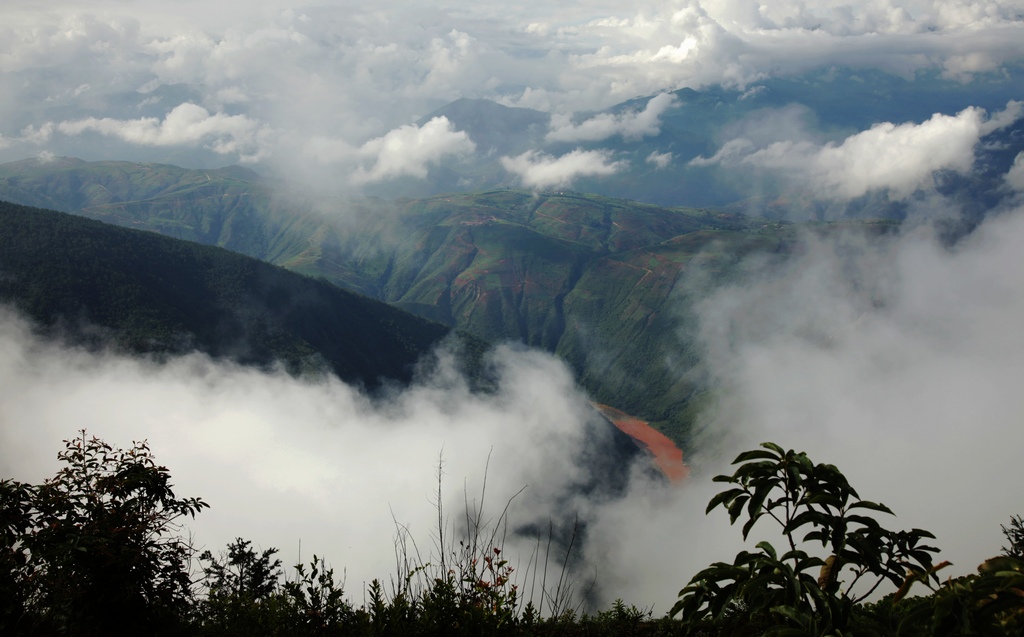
(664, 453)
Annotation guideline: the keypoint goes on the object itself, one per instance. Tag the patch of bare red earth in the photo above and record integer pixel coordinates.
(665, 455)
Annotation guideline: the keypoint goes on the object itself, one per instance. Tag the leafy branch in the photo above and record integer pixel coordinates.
(812, 504)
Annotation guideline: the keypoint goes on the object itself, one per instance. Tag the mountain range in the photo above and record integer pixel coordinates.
(98, 285)
(654, 140)
(95, 285)
(606, 284)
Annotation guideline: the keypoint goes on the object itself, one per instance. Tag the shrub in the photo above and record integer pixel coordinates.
(97, 550)
(1015, 536)
(796, 592)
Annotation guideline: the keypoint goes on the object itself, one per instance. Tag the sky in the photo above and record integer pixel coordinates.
(334, 88)
(899, 361)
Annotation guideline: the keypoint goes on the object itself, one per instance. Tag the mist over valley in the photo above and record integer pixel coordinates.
(357, 279)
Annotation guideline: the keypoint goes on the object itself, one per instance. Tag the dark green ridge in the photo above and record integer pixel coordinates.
(149, 293)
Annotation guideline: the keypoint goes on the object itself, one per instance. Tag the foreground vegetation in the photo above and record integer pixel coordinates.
(98, 550)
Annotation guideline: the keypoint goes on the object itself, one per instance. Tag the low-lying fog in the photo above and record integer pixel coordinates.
(900, 361)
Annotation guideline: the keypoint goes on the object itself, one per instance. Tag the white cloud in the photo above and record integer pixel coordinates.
(1015, 176)
(43, 37)
(355, 72)
(631, 125)
(696, 43)
(37, 135)
(408, 150)
(540, 170)
(1013, 111)
(895, 359)
(660, 160)
(284, 461)
(184, 125)
(896, 158)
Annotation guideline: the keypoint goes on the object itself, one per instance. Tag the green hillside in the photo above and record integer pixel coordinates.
(606, 284)
(98, 283)
(229, 207)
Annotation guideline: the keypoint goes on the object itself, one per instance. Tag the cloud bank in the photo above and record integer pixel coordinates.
(185, 124)
(1015, 177)
(896, 158)
(536, 169)
(660, 160)
(631, 125)
(139, 70)
(895, 357)
(409, 149)
(284, 461)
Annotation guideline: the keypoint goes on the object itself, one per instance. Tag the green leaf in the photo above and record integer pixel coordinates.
(825, 499)
(757, 500)
(767, 548)
(816, 518)
(755, 455)
(767, 469)
(873, 506)
(801, 460)
(724, 496)
(1002, 563)
(750, 524)
(802, 560)
(864, 520)
(801, 619)
(736, 507)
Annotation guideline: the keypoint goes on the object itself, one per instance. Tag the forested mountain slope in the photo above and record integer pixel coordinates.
(96, 283)
(606, 284)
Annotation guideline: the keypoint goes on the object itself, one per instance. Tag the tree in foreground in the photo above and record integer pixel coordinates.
(795, 590)
(1015, 538)
(97, 549)
(989, 602)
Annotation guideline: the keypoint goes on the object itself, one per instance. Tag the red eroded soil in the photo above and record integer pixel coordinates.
(666, 455)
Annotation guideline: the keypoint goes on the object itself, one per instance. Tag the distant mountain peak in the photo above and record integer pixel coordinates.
(47, 160)
(466, 106)
(495, 127)
(234, 171)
